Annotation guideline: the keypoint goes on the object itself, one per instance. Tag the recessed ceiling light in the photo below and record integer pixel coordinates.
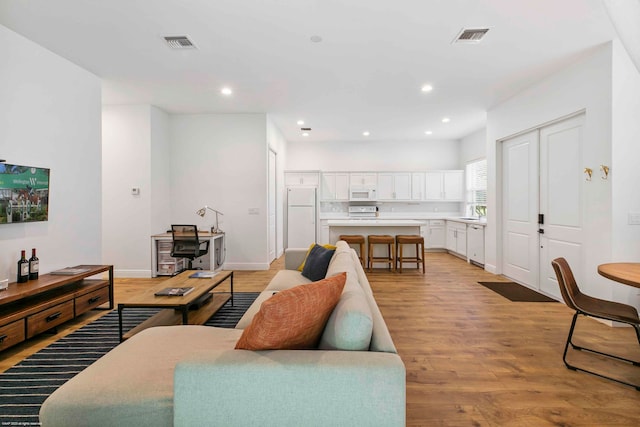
(305, 134)
(446, 120)
(366, 133)
(226, 91)
(428, 132)
(427, 88)
(300, 122)
(315, 39)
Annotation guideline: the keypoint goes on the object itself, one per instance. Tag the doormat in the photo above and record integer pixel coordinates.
(516, 292)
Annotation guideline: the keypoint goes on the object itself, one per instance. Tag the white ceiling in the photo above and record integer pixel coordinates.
(366, 74)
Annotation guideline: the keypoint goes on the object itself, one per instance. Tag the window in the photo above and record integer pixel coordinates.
(476, 172)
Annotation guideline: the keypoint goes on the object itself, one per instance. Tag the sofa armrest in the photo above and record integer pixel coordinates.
(290, 388)
(293, 257)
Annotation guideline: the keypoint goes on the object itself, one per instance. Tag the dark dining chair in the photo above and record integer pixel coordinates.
(593, 307)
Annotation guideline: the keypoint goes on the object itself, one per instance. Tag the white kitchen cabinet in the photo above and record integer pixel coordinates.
(457, 237)
(363, 179)
(417, 186)
(475, 243)
(394, 186)
(335, 186)
(434, 237)
(444, 186)
(301, 178)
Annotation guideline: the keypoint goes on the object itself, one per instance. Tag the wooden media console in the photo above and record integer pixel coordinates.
(28, 309)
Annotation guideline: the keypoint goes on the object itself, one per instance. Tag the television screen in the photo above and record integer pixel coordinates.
(24, 194)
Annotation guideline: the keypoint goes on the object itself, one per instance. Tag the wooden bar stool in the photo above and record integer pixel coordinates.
(410, 240)
(382, 240)
(355, 239)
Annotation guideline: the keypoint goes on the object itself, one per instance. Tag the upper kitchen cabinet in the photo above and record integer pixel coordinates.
(335, 186)
(363, 179)
(417, 186)
(394, 186)
(444, 186)
(301, 178)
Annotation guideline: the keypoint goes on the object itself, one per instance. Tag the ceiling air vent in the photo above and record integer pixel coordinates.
(470, 35)
(179, 42)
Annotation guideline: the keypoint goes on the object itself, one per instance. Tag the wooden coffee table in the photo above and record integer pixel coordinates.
(179, 309)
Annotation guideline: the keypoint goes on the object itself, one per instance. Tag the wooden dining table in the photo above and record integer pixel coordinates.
(622, 272)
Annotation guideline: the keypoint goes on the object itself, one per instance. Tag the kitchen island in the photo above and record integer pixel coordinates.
(366, 227)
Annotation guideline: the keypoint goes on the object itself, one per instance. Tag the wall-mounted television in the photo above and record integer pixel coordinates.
(24, 194)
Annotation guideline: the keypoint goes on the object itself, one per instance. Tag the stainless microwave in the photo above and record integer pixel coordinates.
(362, 194)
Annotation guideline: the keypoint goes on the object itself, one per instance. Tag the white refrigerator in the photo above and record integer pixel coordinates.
(301, 217)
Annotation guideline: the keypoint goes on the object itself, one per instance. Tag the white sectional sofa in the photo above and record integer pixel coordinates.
(192, 375)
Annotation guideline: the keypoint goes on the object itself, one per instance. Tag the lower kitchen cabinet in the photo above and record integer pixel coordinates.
(457, 237)
(435, 236)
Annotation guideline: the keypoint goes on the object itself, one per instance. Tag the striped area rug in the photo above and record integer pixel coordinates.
(25, 386)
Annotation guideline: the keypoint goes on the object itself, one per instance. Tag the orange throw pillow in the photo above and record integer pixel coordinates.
(295, 318)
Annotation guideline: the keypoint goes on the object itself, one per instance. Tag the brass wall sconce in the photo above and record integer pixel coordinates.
(588, 172)
(604, 170)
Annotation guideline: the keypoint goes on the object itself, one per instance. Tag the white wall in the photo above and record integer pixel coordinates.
(135, 153)
(50, 117)
(278, 144)
(220, 160)
(625, 173)
(584, 85)
(473, 147)
(373, 155)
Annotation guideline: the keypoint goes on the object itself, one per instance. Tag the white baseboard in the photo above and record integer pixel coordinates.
(133, 274)
(490, 268)
(246, 266)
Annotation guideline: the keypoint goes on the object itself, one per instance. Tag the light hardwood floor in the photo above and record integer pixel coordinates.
(472, 357)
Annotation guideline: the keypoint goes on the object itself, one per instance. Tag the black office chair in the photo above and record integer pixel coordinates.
(186, 243)
(594, 307)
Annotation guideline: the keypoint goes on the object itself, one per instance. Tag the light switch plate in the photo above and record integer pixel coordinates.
(634, 218)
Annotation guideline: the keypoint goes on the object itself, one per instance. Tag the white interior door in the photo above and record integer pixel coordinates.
(542, 174)
(273, 238)
(520, 208)
(561, 179)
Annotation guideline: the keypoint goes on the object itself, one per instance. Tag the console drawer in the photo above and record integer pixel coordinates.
(49, 318)
(91, 300)
(11, 334)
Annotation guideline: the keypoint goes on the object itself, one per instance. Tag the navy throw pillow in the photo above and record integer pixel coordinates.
(317, 263)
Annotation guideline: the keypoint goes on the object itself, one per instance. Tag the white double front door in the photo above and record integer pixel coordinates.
(542, 203)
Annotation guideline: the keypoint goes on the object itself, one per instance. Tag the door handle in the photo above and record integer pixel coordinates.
(540, 231)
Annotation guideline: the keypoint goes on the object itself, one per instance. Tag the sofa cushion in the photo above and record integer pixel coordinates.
(350, 325)
(294, 318)
(133, 383)
(285, 279)
(326, 246)
(317, 262)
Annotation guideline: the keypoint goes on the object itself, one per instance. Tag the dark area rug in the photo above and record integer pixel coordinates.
(26, 385)
(516, 292)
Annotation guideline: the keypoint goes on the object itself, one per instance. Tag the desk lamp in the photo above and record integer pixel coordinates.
(203, 211)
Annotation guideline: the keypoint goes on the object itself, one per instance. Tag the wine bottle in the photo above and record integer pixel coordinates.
(23, 269)
(34, 265)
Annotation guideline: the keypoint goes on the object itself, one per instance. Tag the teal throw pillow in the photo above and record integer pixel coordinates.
(317, 263)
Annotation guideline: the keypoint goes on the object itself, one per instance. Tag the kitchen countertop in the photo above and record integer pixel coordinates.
(355, 222)
(465, 220)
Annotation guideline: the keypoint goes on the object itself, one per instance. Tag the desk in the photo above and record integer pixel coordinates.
(162, 264)
(623, 272)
